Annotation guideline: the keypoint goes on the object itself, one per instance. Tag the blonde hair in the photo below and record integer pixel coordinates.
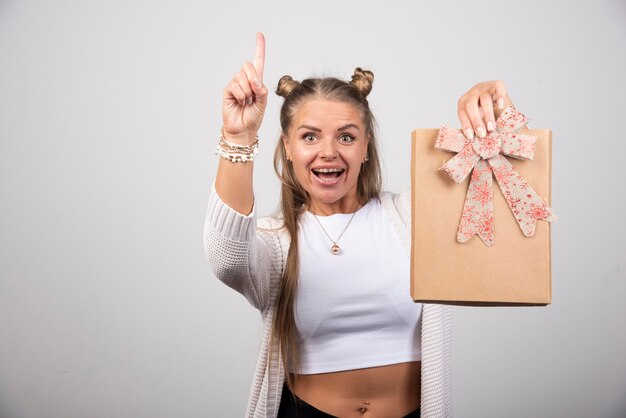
(294, 199)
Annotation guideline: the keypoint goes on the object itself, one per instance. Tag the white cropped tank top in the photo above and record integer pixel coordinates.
(354, 310)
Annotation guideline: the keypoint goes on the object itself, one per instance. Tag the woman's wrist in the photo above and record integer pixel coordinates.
(242, 138)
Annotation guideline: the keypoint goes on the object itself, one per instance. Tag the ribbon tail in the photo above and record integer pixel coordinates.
(477, 216)
(527, 206)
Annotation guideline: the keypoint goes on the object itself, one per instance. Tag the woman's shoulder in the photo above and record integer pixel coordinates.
(271, 222)
(272, 228)
(401, 200)
(398, 204)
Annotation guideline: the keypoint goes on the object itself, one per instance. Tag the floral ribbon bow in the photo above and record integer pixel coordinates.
(482, 156)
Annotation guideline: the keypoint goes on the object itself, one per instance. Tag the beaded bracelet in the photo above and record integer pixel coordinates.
(236, 153)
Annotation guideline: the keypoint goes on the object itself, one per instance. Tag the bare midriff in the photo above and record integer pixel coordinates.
(375, 392)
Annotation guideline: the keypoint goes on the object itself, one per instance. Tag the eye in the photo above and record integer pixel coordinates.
(309, 137)
(346, 138)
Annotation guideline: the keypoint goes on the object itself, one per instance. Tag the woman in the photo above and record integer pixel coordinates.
(330, 272)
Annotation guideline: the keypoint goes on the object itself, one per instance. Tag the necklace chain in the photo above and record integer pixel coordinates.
(335, 247)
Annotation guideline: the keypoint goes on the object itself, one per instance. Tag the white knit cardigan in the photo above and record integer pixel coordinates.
(249, 256)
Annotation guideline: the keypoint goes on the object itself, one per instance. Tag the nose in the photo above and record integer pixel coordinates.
(328, 149)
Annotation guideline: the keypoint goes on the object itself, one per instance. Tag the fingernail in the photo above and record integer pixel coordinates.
(249, 100)
(257, 83)
(481, 132)
(469, 133)
(490, 126)
(501, 103)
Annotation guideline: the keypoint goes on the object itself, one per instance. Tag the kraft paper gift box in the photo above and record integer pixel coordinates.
(500, 265)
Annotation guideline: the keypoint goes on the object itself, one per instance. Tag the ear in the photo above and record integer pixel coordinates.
(285, 141)
(367, 143)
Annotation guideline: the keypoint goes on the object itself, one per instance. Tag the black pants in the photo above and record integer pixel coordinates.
(300, 409)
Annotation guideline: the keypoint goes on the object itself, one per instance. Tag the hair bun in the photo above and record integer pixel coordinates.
(363, 80)
(286, 84)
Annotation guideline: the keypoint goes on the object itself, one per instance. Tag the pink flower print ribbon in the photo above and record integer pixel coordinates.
(484, 157)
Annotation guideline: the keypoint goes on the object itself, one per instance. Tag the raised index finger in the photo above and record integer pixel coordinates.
(259, 55)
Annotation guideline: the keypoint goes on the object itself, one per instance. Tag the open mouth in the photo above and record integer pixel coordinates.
(328, 174)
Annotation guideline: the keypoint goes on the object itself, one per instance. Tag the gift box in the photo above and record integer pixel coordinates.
(481, 215)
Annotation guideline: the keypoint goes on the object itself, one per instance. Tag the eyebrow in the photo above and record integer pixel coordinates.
(342, 128)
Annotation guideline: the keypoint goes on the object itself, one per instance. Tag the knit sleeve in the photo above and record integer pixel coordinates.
(436, 399)
(239, 257)
(403, 203)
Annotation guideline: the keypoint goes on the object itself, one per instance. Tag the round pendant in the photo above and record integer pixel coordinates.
(334, 249)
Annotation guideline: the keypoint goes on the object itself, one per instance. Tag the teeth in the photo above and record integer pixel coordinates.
(328, 170)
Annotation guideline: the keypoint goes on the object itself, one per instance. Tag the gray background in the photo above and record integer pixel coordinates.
(109, 114)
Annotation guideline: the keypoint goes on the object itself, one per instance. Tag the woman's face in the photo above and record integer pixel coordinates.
(327, 144)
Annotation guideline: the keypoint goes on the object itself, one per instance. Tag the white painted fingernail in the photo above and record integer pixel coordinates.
(490, 126)
(469, 133)
(501, 103)
(481, 132)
